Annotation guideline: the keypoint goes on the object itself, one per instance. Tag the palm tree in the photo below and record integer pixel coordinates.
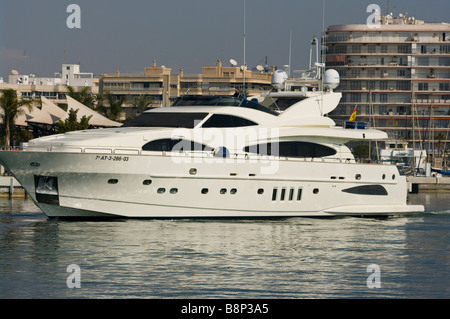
(115, 105)
(142, 102)
(11, 106)
(100, 105)
(84, 96)
(71, 123)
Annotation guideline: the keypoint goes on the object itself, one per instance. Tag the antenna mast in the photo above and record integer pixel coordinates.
(245, 63)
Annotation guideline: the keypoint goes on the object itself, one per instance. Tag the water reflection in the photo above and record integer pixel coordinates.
(291, 258)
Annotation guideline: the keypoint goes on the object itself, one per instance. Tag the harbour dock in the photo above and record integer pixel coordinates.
(418, 184)
(10, 187)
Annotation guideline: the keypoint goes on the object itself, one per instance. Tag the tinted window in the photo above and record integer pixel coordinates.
(291, 149)
(215, 100)
(169, 119)
(222, 120)
(167, 145)
(367, 190)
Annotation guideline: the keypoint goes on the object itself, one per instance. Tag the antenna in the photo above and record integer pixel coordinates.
(290, 50)
(233, 62)
(245, 63)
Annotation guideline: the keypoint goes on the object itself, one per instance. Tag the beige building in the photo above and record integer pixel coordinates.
(158, 84)
(52, 88)
(398, 76)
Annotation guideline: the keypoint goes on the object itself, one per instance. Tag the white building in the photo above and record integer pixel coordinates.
(398, 75)
(72, 76)
(53, 88)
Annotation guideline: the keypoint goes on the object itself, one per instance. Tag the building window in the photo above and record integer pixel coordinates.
(356, 49)
(355, 85)
(355, 97)
(404, 48)
(401, 73)
(403, 85)
(444, 86)
(423, 86)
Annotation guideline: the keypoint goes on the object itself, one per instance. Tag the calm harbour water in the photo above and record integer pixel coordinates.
(288, 258)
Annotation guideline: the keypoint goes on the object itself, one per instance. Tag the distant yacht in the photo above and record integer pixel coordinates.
(215, 156)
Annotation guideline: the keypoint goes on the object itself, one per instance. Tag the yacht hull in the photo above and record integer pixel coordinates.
(97, 185)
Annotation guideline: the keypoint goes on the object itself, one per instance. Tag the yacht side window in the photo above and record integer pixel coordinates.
(291, 149)
(168, 145)
(223, 120)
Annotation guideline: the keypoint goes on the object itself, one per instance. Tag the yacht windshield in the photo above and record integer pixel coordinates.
(214, 100)
(169, 119)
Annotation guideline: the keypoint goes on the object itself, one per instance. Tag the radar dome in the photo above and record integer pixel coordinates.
(279, 77)
(331, 79)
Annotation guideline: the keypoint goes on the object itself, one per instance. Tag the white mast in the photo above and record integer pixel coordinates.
(245, 63)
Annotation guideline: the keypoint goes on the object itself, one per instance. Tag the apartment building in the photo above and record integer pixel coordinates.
(398, 76)
(160, 86)
(53, 88)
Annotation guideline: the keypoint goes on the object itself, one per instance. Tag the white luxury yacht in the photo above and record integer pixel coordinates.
(213, 156)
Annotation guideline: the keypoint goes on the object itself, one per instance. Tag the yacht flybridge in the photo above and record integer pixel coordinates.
(213, 156)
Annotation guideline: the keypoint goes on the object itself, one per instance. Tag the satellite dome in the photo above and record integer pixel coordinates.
(331, 79)
(279, 77)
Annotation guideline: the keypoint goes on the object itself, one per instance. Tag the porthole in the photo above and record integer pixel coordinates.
(393, 176)
(113, 181)
(223, 190)
(260, 191)
(205, 191)
(193, 171)
(161, 190)
(233, 191)
(174, 190)
(315, 191)
(383, 176)
(358, 177)
(147, 182)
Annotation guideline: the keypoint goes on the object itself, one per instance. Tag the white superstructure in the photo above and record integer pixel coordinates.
(212, 156)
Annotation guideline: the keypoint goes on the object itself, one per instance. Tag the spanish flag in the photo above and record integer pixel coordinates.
(353, 116)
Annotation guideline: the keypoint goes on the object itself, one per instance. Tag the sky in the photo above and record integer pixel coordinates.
(126, 36)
